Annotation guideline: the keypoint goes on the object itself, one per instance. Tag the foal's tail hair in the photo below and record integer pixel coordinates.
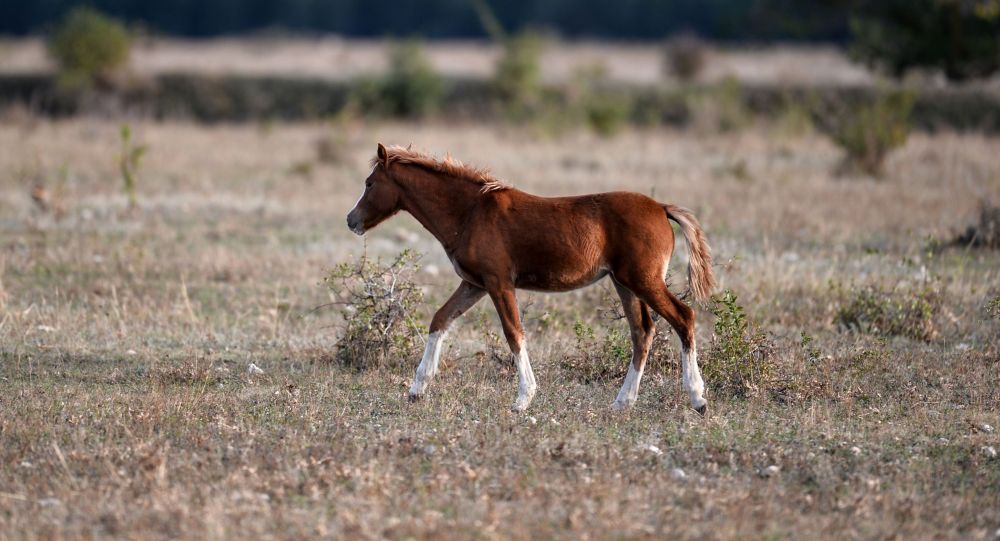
(700, 276)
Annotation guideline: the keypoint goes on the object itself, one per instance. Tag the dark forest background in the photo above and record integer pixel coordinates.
(723, 20)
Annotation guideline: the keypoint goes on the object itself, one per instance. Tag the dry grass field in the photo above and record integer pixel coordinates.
(127, 409)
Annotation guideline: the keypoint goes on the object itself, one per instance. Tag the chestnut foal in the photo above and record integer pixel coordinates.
(499, 239)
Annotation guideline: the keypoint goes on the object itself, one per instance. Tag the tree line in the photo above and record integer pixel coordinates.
(737, 20)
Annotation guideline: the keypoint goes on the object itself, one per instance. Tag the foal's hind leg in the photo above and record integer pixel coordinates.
(505, 302)
(642, 330)
(681, 318)
(461, 300)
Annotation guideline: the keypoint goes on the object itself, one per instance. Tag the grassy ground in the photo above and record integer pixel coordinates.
(127, 409)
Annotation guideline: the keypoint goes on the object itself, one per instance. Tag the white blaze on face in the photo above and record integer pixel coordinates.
(693, 383)
(526, 380)
(428, 363)
(630, 389)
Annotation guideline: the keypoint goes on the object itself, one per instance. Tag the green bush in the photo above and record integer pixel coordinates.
(598, 359)
(377, 303)
(411, 88)
(518, 81)
(869, 132)
(739, 361)
(899, 310)
(604, 109)
(89, 47)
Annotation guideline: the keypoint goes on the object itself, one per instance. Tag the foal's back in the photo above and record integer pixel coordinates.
(562, 243)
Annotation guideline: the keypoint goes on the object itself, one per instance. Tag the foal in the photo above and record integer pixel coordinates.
(499, 239)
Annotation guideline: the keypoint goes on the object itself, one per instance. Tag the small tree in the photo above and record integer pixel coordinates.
(684, 57)
(960, 37)
(88, 46)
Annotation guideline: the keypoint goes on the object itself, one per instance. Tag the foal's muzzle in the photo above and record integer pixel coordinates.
(355, 224)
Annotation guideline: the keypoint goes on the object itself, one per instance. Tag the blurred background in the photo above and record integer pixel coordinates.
(639, 62)
(186, 323)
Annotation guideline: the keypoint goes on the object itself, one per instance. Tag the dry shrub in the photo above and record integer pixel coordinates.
(986, 233)
(376, 302)
(684, 57)
(898, 310)
(740, 360)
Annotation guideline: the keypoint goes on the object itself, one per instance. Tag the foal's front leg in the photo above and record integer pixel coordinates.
(505, 302)
(461, 300)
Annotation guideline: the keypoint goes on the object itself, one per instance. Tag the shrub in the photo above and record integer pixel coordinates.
(88, 46)
(867, 133)
(985, 234)
(599, 359)
(411, 88)
(993, 308)
(518, 74)
(684, 57)
(603, 109)
(739, 361)
(376, 302)
(899, 310)
(129, 161)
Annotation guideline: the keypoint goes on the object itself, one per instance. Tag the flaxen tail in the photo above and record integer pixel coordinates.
(700, 274)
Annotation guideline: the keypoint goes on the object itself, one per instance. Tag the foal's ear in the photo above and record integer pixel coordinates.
(382, 154)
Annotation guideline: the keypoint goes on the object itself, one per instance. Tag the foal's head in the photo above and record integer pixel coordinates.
(380, 200)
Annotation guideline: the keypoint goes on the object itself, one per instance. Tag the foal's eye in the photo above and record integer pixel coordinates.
(368, 184)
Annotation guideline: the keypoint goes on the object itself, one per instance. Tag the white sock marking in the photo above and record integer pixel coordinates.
(428, 363)
(630, 389)
(526, 380)
(693, 383)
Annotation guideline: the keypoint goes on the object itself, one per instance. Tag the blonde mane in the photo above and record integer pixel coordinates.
(447, 166)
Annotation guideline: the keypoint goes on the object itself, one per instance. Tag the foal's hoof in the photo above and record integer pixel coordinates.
(413, 397)
(620, 406)
(703, 409)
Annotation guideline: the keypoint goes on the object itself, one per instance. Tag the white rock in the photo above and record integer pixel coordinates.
(678, 474)
(989, 451)
(131, 352)
(943, 441)
(856, 451)
(50, 502)
(770, 471)
(254, 369)
(986, 428)
(46, 328)
(651, 449)
(531, 419)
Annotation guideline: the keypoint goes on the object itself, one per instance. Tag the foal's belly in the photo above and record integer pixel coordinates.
(558, 279)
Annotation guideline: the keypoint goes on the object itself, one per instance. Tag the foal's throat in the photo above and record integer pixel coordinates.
(442, 205)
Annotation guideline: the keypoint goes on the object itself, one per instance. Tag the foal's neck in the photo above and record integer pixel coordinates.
(441, 204)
